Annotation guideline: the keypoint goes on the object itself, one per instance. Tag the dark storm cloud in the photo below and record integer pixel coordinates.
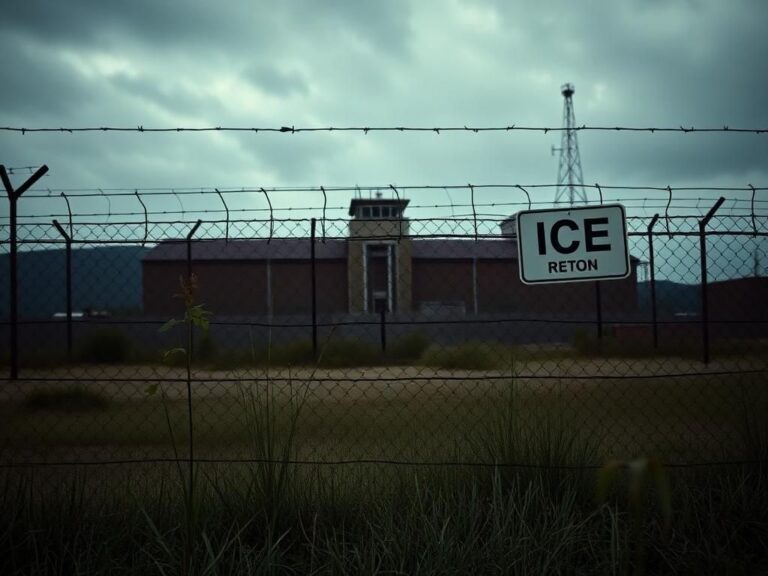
(660, 63)
(90, 62)
(91, 22)
(35, 84)
(254, 27)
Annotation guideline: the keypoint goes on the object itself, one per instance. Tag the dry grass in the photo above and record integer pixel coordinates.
(627, 406)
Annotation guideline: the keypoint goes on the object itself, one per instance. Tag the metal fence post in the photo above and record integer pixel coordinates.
(704, 303)
(383, 328)
(191, 328)
(190, 351)
(653, 281)
(68, 253)
(13, 198)
(314, 287)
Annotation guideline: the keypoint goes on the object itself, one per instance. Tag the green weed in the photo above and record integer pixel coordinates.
(408, 349)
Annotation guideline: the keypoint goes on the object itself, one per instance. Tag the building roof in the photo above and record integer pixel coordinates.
(299, 249)
(355, 202)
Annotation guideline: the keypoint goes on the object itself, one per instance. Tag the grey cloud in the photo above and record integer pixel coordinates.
(37, 84)
(274, 80)
(665, 64)
(387, 63)
(89, 22)
(166, 94)
(240, 26)
(384, 26)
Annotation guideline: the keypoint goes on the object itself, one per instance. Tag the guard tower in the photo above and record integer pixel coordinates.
(379, 256)
(570, 181)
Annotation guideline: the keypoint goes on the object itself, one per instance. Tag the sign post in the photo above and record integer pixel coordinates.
(576, 244)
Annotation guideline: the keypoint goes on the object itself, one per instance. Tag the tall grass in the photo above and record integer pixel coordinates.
(272, 422)
(466, 356)
(76, 523)
(533, 512)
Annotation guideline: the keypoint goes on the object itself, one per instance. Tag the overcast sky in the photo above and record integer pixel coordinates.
(336, 63)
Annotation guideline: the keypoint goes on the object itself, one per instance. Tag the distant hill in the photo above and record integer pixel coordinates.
(671, 297)
(103, 278)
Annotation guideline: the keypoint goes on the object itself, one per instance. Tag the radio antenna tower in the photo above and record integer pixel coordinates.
(570, 181)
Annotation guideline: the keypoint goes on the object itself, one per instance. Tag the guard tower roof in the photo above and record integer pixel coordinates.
(356, 203)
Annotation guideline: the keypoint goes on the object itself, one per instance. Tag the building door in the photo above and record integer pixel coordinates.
(380, 278)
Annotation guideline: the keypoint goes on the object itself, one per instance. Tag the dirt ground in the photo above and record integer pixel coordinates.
(124, 382)
(675, 407)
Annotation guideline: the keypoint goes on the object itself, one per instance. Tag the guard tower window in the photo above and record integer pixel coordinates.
(385, 211)
(375, 213)
(366, 211)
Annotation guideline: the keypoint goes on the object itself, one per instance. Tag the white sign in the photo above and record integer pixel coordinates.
(573, 244)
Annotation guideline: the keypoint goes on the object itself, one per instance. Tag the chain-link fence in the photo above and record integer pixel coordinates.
(376, 338)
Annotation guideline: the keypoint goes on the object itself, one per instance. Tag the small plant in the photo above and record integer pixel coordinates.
(105, 346)
(408, 348)
(195, 316)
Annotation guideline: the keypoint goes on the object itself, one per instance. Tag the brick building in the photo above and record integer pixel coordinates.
(377, 266)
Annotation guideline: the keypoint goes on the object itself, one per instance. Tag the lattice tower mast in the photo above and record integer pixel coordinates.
(570, 181)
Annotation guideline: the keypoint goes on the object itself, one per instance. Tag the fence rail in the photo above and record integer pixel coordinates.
(391, 341)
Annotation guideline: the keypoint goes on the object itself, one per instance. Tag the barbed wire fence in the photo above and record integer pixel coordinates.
(366, 129)
(404, 345)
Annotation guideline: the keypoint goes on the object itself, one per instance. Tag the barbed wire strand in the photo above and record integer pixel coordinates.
(180, 191)
(367, 129)
(30, 218)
